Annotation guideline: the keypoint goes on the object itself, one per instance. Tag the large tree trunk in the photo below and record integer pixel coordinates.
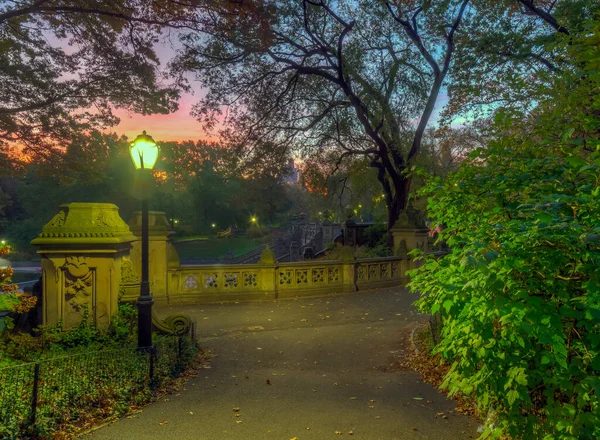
(399, 200)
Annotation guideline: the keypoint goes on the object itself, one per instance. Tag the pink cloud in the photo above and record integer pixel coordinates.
(178, 126)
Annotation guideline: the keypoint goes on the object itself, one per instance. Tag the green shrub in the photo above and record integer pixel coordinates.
(380, 250)
(376, 235)
(520, 291)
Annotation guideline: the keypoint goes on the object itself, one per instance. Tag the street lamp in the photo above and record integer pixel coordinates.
(144, 153)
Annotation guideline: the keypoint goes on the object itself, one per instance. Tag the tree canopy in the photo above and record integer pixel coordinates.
(519, 293)
(64, 66)
(362, 78)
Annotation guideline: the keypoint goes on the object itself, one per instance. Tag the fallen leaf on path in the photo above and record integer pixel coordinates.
(162, 422)
(238, 421)
(268, 382)
(191, 413)
(236, 409)
(338, 432)
(350, 432)
(371, 406)
(237, 414)
(417, 398)
(353, 398)
(304, 320)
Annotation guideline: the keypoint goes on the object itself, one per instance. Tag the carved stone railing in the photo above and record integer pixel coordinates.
(91, 260)
(237, 282)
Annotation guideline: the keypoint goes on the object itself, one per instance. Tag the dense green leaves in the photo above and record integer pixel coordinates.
(519, 293)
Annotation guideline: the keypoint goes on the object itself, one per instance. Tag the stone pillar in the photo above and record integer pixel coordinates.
(409, 233)
(348, 270)
(268, 262)
(159, 249)
(83, 249)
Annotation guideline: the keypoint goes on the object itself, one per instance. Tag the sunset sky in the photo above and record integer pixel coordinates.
(178, 126)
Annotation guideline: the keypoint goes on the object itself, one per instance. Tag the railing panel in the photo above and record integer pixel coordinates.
(309, 275)
(213, 283)
(382, 271)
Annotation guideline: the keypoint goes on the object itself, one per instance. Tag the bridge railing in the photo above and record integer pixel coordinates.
(233, 282)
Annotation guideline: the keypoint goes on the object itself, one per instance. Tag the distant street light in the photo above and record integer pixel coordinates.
(144, 154)
(253, 220)
(214, 225)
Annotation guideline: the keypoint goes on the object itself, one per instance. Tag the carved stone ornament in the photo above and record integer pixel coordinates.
(128, 275)
(59, 219)
(402, 249)
(78, 279)
(84, 223)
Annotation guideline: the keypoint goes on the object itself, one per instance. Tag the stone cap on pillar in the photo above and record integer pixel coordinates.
(84, 224)
(409, 220)
(267, 256)
(158, 225)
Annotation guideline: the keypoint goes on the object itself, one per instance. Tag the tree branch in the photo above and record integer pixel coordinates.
(544, 16)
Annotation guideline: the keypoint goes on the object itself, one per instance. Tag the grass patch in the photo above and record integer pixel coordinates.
(216, 248)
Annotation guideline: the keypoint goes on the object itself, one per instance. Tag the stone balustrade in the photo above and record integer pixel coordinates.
(91, 260)
(236, 282)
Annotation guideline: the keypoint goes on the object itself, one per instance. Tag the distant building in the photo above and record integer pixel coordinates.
(292, 174)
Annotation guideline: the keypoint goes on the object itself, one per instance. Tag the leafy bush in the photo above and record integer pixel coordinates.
(11, 300)
(82, 388)
(336, 251)
(376, 235)
(378, 241)
(520, 292)
(50, 340)
(85, 374)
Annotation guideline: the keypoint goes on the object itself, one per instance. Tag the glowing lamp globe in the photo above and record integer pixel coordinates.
(144, 152)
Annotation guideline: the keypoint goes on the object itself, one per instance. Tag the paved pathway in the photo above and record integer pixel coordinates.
(301, 369)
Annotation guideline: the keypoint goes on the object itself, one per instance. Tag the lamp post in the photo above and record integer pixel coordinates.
(144, 153)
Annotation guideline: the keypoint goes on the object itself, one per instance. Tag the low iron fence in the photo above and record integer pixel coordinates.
(39, 397)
